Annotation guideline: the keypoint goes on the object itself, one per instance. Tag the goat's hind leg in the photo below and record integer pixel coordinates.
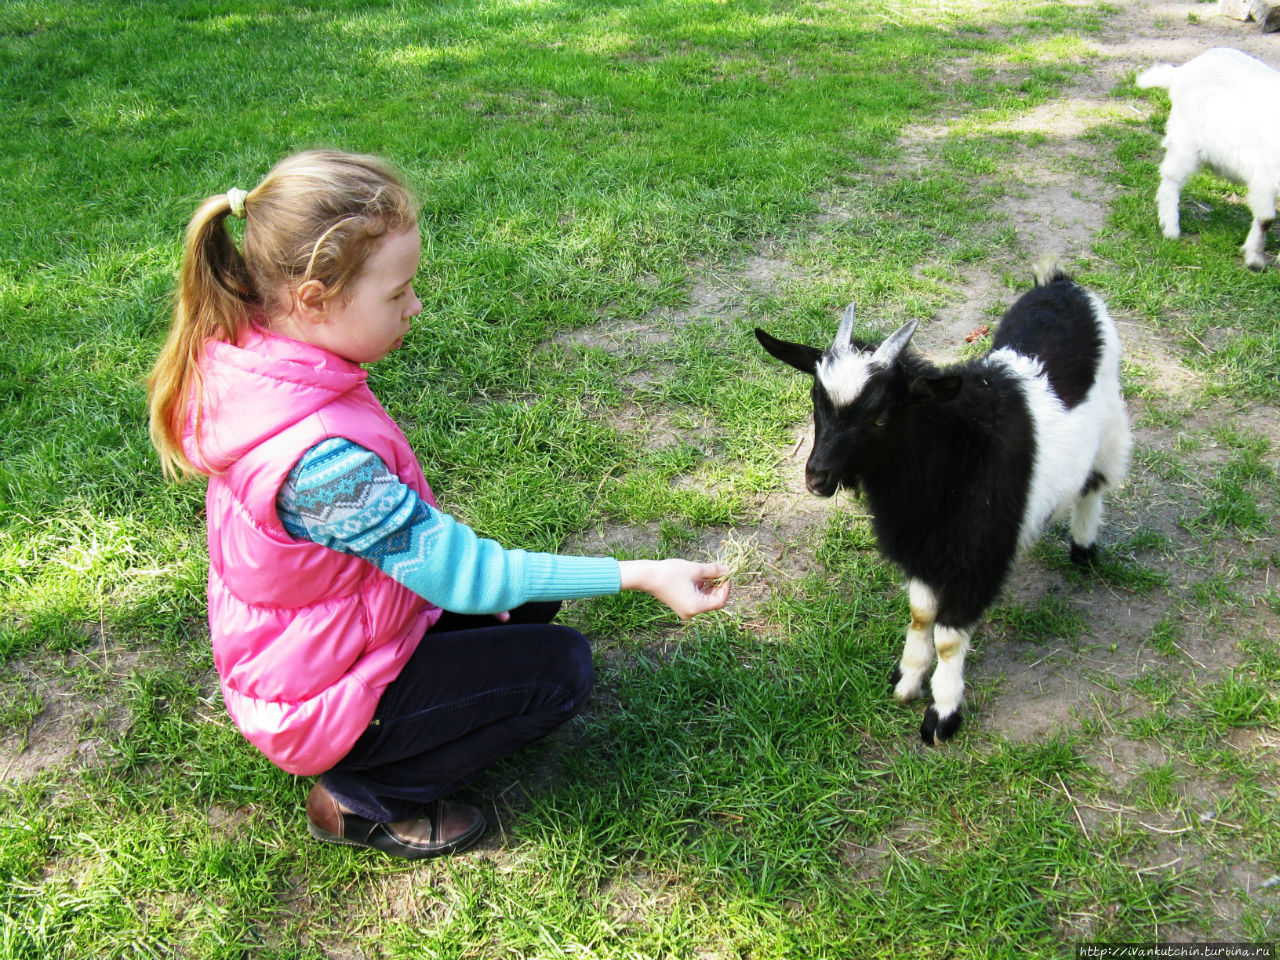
(1175, 170)
(1086, 518)
(1109, 468)
(917, 651)
(943, 717)
(1262, 203)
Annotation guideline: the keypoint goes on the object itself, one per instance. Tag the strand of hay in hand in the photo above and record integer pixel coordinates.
(742, 556)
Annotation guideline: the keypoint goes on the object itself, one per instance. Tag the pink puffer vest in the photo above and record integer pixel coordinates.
(305, 639)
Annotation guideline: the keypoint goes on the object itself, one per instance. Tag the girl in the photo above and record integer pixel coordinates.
(359, 632)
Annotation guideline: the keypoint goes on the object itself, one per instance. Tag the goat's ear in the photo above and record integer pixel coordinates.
(933, 389)
(804, 359)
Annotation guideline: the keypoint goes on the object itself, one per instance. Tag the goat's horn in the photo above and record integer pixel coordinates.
(888, 351)
(844, 334)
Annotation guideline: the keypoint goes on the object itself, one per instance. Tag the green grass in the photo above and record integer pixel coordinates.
(743, 785)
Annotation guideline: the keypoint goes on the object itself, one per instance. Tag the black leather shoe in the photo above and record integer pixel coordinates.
(450, 827)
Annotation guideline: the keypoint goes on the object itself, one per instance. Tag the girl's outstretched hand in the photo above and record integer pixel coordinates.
(688, 588)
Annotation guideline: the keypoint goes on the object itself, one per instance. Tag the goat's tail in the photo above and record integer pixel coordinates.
(1048, 269)
(1161, 75)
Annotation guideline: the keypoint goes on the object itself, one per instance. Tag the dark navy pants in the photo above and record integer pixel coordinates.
(473, 692)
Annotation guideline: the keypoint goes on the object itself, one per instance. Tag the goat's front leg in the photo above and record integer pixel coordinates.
(942, 719)
(917, 651)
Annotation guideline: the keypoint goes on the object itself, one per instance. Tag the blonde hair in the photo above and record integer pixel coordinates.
(317, 215)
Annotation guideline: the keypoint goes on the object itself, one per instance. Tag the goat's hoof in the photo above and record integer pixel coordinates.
(1084, 556)
(935, 730)
(903, 695)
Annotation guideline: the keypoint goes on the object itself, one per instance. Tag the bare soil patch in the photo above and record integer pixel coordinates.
(72, 722)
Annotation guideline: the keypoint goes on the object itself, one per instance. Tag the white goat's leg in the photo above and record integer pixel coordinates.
(1262, 203)
(1176, 168)
(917, 651)
(942, 719)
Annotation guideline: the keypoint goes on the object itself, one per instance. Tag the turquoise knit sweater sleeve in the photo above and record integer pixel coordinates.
(344, 497)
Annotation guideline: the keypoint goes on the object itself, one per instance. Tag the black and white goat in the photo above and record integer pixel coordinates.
(963, 466)
(1224, 114)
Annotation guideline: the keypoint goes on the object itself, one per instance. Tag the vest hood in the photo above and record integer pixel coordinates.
(263, 384)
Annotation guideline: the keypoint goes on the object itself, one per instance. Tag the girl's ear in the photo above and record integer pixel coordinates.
(309, 302)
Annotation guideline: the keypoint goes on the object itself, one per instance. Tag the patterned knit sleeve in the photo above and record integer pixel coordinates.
(343, 496)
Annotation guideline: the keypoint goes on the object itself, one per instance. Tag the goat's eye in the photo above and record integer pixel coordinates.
(882, 420)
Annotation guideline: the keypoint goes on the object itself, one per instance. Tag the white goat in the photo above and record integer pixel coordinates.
(1225, 115)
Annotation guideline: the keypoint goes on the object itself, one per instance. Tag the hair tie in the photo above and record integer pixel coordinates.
(236, 197)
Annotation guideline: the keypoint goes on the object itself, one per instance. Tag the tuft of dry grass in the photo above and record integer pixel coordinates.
(742, 555)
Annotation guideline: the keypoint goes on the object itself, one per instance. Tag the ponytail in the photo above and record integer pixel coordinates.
(214, 300)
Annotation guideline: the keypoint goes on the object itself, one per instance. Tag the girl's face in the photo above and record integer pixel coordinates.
(373, 320)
